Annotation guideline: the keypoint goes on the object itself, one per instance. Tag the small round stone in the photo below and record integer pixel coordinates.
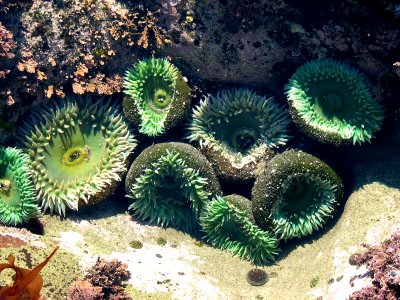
(257, 277)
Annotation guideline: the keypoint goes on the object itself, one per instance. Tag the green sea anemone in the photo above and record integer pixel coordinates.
(295, 194)
(229, 225)
(236, 129)
(157, 96)
(17, 193)
(330, 101)
(169, 184)
(78, 150)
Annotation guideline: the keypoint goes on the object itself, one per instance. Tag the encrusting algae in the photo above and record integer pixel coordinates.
(27, 283)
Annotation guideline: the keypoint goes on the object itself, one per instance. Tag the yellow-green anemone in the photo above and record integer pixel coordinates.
(156, 96)
(78, 151)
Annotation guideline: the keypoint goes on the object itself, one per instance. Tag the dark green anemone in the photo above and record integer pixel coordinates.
(330, 101)
(157, 96)
(169, 184)
(295, 195)
(229, 225)
(78, 150)
(17, 193)
(236, 129)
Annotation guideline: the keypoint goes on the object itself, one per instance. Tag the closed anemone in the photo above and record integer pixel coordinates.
(17, 193)
(331, 102)
(156, 96)
(236, 129)
(78, 150)
(229, 225)
(169, 183)
(295, 195)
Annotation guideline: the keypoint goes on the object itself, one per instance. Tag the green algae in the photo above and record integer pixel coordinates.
(314, 282)
(161, 241)
(135, 244)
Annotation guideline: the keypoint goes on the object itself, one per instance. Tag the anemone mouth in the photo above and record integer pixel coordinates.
(298, 195)
(217, 122)
(17, 194)
(295, 195)
(152, 86)
(303, 205)
(169, 192)
(243, 139)
(228, 227)
(75, 155)
(331, 102)
(77, 150)
(161, 99)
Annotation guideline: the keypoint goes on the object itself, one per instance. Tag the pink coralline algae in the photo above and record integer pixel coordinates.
(383, 263)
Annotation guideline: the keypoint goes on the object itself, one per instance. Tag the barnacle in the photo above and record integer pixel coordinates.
(236, 129)
(229, 225)
(78, 150)
(169, 184)
(156, 96)
(295, 195)
(17, 193)
(330, 101)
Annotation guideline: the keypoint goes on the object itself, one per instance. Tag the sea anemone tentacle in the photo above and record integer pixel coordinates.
(156, 96)
(236, 129)
(78, 151)
(229, 225)
(295, 195)
(331, 102)
(169, 183)
(17, 193)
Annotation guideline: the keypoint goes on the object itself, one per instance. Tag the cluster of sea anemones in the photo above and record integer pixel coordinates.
(77, 150)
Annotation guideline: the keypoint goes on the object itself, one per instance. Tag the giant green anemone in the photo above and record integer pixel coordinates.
(236, 129)
(330, 101)
(169, 183)
(229, 225)
(157, 96)
(17, 193)
(295, 194)
(78, 150)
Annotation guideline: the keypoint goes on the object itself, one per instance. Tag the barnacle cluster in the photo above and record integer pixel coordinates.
(236, 129)
(229, 225)
(331, 102)
(157, 96)
(77, 150)
(295, 195)
(169, 183)
(17, 193)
